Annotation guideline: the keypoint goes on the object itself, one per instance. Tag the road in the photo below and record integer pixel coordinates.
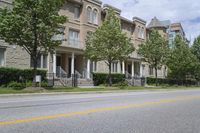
(124, 112)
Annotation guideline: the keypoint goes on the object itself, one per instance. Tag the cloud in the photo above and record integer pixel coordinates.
(184, 11)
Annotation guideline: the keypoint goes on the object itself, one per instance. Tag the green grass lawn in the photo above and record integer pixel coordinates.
(100, 88)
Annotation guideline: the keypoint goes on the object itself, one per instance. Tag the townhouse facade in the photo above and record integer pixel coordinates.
(85, 16)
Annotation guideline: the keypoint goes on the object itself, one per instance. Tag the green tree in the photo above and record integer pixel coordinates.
(108, 43)
(196, 51)
(32, 24)
(181, 62)
(196, 48)
(154, 51)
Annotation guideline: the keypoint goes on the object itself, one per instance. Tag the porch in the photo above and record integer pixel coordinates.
(66, 65)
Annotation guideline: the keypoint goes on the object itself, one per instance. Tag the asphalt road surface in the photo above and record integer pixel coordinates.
(127, 112)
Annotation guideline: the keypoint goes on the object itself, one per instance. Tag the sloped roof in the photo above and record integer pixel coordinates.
(157, 23)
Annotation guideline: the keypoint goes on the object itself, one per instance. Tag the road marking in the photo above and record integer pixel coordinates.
(97, 110)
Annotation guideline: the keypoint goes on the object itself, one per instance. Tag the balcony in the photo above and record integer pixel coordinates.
(75, 43)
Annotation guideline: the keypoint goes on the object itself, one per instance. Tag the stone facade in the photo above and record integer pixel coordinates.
(86, 16)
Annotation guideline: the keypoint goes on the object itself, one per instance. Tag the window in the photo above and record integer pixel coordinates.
(150, 70)
(95, 17)
(93, 66)
(2, 57)
(73, 37)
(139, 32)
(41, 61)
(76, 12)
(89, 14)
(114, 67)
(142, 32)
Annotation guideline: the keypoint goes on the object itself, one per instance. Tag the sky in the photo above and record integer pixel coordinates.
(185, 11)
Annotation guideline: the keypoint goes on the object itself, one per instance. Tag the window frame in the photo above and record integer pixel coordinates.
(95, 16)
(89, 14)
(40, 62)
(76, 13)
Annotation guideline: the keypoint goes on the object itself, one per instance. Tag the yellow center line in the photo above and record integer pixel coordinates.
(97, 110)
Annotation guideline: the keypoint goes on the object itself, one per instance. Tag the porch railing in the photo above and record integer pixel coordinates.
(60, 73)
(128, 75)
(86, 73)
(75, 43)
(78, 74)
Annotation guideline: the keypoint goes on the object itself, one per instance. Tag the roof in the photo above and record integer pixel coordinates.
(157, 23)
(105, 6)
(126, 20)
(139, 20)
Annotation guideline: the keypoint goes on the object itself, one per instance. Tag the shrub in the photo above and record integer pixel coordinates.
(102, 78)
(8, 75)
(16, 85)
(170, 81)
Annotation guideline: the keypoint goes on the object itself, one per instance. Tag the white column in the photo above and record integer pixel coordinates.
(123, 67)
(133, 69)
(48, 62)
(88, 69)
(141, 70)
(41, 61)
(119, 67)
(72, 64)
(54, 63)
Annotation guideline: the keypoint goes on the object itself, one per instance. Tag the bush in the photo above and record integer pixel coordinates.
(16, 85)
(8, 75)
(102, 78)
(170, 81)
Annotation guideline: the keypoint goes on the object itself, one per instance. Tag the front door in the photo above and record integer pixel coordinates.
(58, 60)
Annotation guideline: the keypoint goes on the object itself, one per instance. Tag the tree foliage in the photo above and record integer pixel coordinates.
(196, 51)
(196, 48)
(108, 43)
(31, 24)
(181, 62)
(154, 50)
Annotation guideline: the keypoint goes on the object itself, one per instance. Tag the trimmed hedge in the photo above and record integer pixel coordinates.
(8, 75)
(102, 78)
(171, 81)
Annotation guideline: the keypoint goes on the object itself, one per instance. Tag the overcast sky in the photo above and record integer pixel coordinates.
(185, 11)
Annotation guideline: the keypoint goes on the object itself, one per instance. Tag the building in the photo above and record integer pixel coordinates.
(84, 16)
(167, 29)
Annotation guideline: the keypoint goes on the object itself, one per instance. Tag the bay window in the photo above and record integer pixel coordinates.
(73, 37)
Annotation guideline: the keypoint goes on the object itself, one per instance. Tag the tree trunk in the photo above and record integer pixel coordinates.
(110, 75)
(34, 72)
(35, 54)
(156, 72)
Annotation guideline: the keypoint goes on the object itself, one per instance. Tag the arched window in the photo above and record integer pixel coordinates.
(139, 31)
(89, 14)
(95, 16)
(142, 33)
